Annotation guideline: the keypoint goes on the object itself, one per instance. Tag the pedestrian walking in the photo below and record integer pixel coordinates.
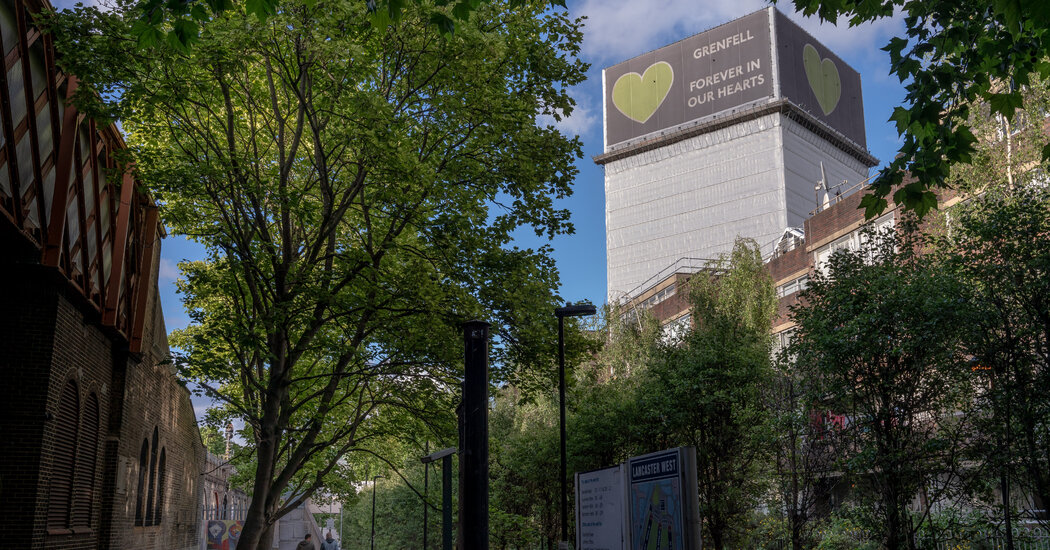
(329, 542)
(306, 544)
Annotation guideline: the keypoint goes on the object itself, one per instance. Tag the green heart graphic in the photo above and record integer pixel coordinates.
(638, 96)
(823, 78)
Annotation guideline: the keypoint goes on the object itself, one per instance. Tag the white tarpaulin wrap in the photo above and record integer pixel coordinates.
(694, 197)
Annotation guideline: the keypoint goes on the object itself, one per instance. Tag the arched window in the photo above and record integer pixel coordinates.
(140, 508)
(64, 457)
(87, 461)
(152, 479)
(225, 507)
(161, 480)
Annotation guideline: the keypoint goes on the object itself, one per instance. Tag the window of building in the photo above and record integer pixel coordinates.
(140, 507)
(87, 462)
(793, 286)
(658, 297)
(781, 341)
(852, 242)
(152, 481)
(161, 482)
(67, 423)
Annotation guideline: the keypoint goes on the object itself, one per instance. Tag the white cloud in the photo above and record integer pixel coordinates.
(581, 121)
(169, 270)
(863, 42)
(617, 30)
(584, 116)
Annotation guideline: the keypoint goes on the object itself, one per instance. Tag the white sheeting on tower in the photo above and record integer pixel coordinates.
(694, 197)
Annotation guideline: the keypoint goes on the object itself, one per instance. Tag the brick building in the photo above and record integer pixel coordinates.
(99, 446)
(221, 500)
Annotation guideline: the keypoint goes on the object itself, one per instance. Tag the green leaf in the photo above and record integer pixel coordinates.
(1005, 104)
(146, 35)
(380, 19)
(394, 8)
(1010, 11)
(186, 33)
(444, 23)
(902, 118)
(873, 205)
(1046, 153)
(261, 8)
(199, 13)
(462, 10)
(177, 7)
(894, 47)
(219, 6)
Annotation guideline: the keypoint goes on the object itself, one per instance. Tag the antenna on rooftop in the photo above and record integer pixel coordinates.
(822, 184)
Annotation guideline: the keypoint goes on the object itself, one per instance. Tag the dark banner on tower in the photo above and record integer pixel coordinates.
(708, 73)
(818, 81)
(728, 69)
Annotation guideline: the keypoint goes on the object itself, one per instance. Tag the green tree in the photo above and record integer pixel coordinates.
(880, 335)
(706, 390)
(178, 24)
(805, 449)
(523, 466)
(356, 188)
(1008, 152)
(604, 424)
(998, 245)
(956, 54)
(214, 440)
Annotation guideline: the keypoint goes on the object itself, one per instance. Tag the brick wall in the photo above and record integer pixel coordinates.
(787, 265)
(52, 335)
(841, 217)
(27, 318)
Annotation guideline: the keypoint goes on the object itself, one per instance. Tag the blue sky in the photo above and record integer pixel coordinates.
(617, 30)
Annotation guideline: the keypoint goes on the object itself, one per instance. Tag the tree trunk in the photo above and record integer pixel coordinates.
(894, 525)
(254, 525)
(796, 515)
(256, 520)
(266, 540)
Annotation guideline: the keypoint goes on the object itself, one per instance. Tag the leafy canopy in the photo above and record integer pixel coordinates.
(177, 23)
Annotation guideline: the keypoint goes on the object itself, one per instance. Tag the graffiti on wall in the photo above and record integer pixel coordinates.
(222, 534)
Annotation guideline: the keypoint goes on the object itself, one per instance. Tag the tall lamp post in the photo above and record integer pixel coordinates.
(445, 456)
(374, 478)
(569, 310)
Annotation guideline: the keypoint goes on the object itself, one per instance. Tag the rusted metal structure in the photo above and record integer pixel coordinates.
(61, 187)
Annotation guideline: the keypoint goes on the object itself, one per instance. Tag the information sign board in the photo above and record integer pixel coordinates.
(663, 501)
(600, 509)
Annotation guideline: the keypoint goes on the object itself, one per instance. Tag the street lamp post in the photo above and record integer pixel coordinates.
(445, 456)
(374, 478)
(569, 310)
(426, 494)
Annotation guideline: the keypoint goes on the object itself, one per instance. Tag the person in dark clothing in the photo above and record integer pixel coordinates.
(306, 544)
(329, 543)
